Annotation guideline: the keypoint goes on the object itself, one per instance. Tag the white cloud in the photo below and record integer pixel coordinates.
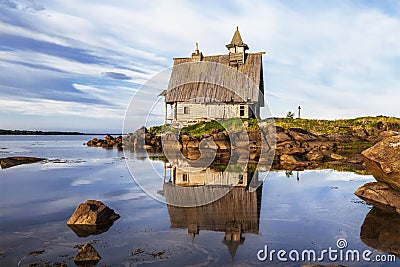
(334, 59)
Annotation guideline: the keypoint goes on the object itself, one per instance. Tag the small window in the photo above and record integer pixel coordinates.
(240, 49)
(241, 111)
(240, 179)
(185, 110)
(185, 177)
(232, 50)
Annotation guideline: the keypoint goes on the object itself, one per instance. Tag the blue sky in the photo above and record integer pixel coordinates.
(75, 65)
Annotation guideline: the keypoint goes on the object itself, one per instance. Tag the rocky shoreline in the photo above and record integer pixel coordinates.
(383, 162)
(294, 148)
(381, 227)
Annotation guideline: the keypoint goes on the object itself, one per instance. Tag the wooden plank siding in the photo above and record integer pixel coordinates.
(187, 111)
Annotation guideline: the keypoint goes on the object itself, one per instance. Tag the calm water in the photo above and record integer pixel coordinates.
(305, 210)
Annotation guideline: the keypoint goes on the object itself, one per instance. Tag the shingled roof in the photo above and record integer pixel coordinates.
(249, 90)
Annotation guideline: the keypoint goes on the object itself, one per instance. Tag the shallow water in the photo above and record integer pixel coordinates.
(305, 210)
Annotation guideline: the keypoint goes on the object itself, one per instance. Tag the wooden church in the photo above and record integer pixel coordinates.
(200, 92)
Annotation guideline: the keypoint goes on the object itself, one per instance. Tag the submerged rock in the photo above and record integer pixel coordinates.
(87, 256)
(380, 195)
(14, 161)
(381, 230)
(383, 161)
(92, 217)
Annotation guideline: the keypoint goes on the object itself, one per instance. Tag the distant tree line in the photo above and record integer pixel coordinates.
(27, 132)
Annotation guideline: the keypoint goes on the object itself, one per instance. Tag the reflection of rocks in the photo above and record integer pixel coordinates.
(292, 162)
(83, 230)
(383, 161)
(338, 157)
(310, 151)
(87, 256)
(380, 195)
(381, 231)
(92, 217)
(14, 161)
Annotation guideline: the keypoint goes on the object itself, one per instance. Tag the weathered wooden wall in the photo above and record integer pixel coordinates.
(209, 176)
(198, 111)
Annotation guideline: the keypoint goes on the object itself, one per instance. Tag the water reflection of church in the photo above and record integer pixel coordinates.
(236, 212)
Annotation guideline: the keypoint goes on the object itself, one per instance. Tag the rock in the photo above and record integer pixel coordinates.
(108, 137)
(288, 159)
(315, 156)
(299, 134)
(185, 138)
(338, 157)
(92, 217)
(360, 133)
(281, 136)
(387, 134)
(383, 161)
(223, 145)
(380, 195)
(341, 138)
(193, 144)
(14, 161)
(87, 256)
(291, 162)
(381, 230)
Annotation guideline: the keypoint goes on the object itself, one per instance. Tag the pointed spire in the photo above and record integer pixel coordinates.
(233, 246)
(237, 40)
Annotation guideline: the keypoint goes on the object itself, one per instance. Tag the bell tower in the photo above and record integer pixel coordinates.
(237, 49)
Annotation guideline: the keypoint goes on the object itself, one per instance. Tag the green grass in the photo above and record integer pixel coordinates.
(235, 124)
(318, 127)
(342, 126)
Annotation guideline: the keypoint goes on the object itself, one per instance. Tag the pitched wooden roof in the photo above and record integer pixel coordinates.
(199, 82)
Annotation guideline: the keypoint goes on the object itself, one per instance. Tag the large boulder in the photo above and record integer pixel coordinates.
(380, 195)
(14, 161)
(383, 161)
(92, 217)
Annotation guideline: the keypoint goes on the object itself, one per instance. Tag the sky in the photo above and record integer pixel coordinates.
(76, 65)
